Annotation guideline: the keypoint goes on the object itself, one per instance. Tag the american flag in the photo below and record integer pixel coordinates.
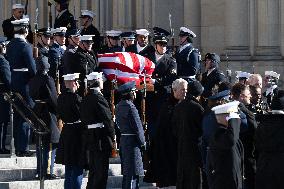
(125, 67)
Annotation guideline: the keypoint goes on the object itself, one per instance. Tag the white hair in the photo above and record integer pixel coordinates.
(178, 82)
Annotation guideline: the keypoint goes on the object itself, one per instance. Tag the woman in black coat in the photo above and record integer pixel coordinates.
(270, 145)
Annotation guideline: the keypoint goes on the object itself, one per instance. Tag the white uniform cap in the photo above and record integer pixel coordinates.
(59, 30)
(113, 33)
(24, 21)
(71, 77)
(241, 74)
(86, 37)
(88, 13)
(143, 32)
(231, 107)
(18, 6)
(272, 74)
(188, 31)
(95, 76)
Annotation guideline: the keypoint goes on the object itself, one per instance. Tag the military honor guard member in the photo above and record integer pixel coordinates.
(69, 150)
(270, 83)
(5, 86)
(64, 18)
(242, 77)
(212, 75)
(43, 38)
(187, 56)
(225, 152)
(23, 68)
(142, 45)
(112, 45)
(56, 52)
(270, 145)
(132, 139)
(87, 17)
(84, 61)
(43, 92)
(127, 39)
(73, 42)
(96, 116)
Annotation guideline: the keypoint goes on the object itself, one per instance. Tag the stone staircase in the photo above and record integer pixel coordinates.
(19, 173)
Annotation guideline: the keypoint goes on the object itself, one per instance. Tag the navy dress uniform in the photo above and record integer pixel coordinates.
(55, 54)
(213, 76)
(145, 49)
(5, 86)
(112, 38)
(96, 116)
(127, 39)
(43, 92)
(43, 48)
(225, 152)
(187, 56)
(70, 143)
(83, 62)
(20, 57)
(271, 79)
(64, 17)
(87, 17)
(132, 137)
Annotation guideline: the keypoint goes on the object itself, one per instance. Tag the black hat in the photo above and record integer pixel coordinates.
(62, 1)
(277, 102)
(160, 31)
(72, 33)
(160, 35)
(195, 88)
(42, 64)
(128, 35)
(213, 57)
(126, 87)
(44, 31)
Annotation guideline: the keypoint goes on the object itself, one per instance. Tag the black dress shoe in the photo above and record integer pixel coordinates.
(51, 177)
(4, 151)
(25, 154)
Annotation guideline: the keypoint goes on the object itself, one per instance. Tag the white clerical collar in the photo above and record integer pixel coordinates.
(158, 56)
(184, 46)
(139, 48)
(210, 71)
(20, 37)
(59, 14)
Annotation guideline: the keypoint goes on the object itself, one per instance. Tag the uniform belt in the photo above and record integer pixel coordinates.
(21, 70)
(96, 125)
(127, 134)
(79, 121)
(188, 77)
(40, 101)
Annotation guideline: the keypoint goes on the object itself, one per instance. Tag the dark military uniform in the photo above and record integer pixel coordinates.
(20, 57)
(107, 49)
(187, 62)
(95, 110)
(92, 30)
(5, 82)
(148, 51)
(209, 81)
(65, 20)
(67, 58)
(225, 154)
(42, 51)
(83, 62)
(43, 92)
(54, 55)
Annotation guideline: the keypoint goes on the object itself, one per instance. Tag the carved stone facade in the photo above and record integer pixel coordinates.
(249, 32)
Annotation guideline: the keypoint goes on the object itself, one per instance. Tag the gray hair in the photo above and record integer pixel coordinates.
(178, 82)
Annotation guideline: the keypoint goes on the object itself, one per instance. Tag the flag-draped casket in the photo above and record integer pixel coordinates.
(125, 67)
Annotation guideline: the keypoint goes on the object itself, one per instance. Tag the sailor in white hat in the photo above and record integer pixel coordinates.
(95, 81)
(112, 39)
(242, 76)
(142, 37)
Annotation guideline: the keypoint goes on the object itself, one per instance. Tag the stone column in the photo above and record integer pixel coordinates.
(268, 29)
(237, 29)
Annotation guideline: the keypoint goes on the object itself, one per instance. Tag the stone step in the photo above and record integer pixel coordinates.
(30, 162)
(114, 182)
(24, 174)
